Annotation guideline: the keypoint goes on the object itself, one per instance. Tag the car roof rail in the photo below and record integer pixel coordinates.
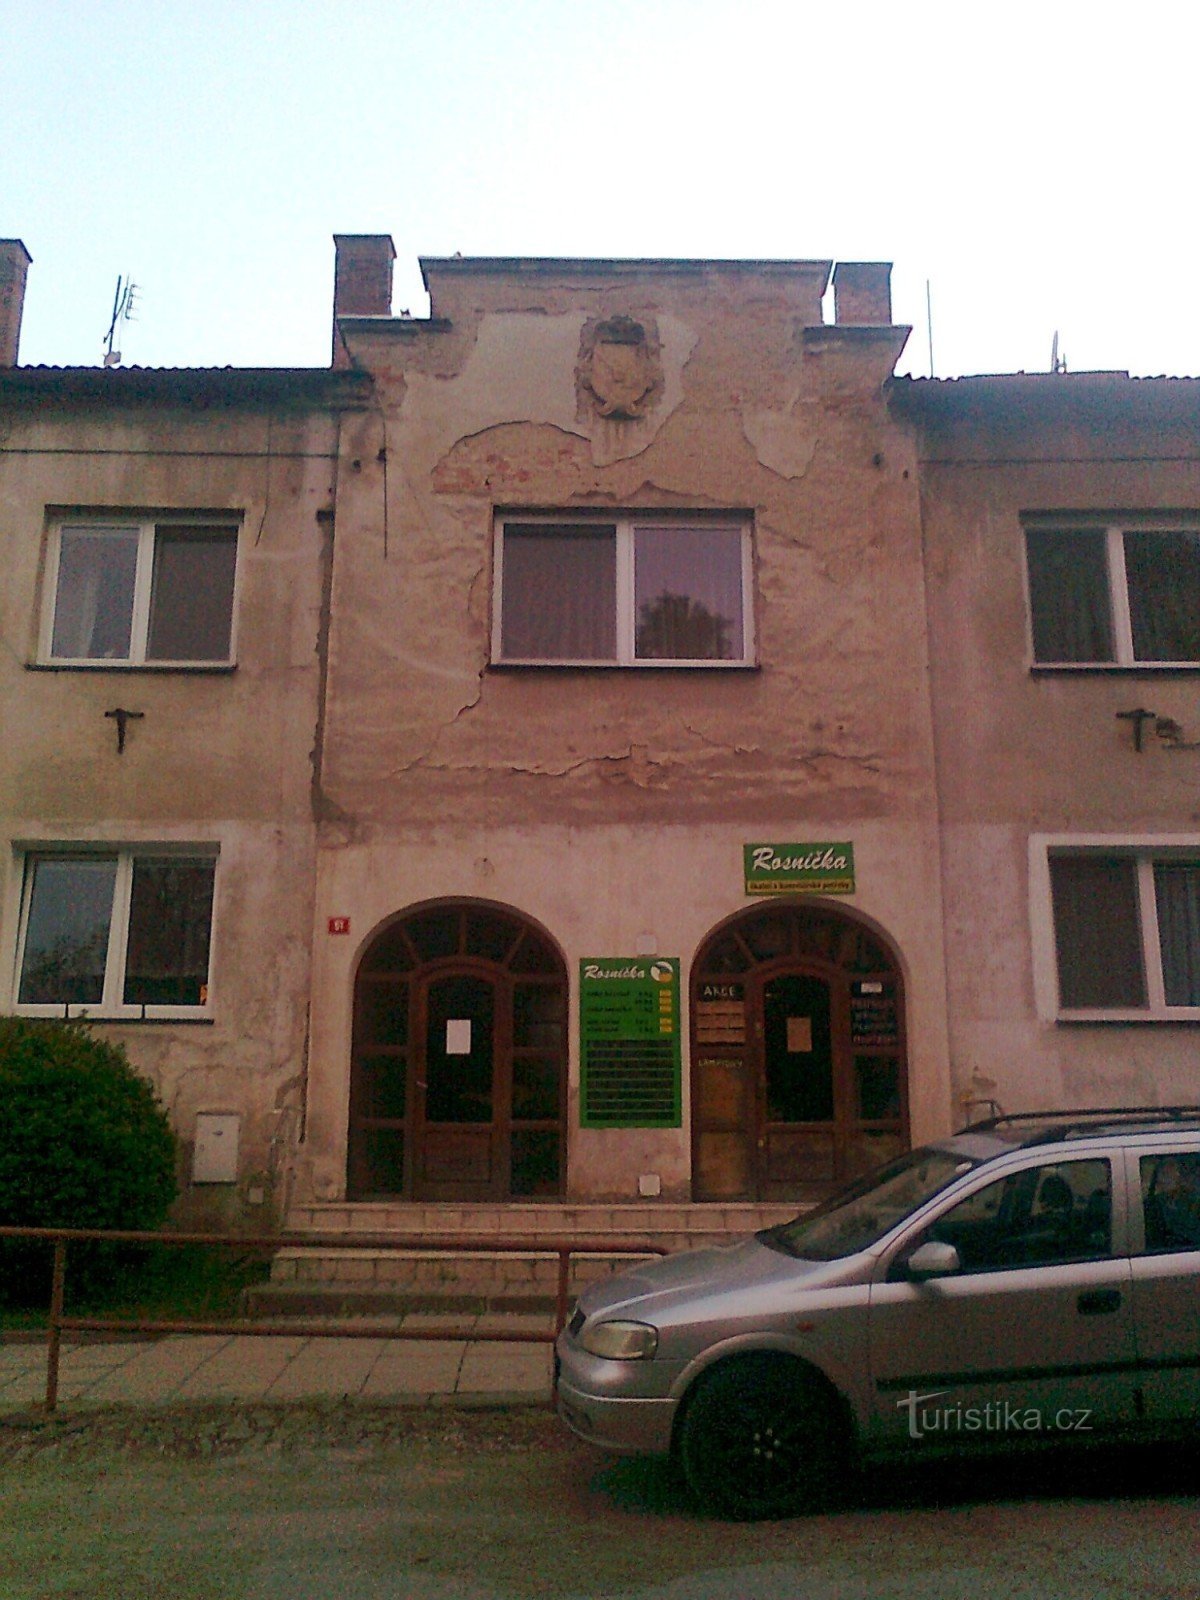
(1080, 1120)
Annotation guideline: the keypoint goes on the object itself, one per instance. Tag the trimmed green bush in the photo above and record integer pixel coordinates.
(84, 1142)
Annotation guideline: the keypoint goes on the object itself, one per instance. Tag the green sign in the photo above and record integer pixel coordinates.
(629, 1042)
(799, 868)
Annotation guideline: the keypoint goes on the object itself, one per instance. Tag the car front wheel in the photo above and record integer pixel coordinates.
(761, 1438)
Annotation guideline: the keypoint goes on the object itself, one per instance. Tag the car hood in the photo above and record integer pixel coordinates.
(653, 1289)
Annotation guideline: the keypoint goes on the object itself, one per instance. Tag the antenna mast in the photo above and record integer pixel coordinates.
(123, 307)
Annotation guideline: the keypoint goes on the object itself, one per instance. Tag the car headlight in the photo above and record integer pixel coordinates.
(620, 1341)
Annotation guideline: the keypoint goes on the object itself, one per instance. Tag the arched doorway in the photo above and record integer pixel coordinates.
(799, 1067)
(458, 1075)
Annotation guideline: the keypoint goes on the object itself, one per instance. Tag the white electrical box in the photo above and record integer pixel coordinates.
(215, 1156)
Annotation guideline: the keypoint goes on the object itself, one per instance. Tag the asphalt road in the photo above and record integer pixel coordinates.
(355, 1502)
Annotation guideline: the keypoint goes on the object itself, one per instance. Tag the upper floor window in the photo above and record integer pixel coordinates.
(1127, 932)
(140, 592)
(115, 933)
(631, 591)
(1114, 593)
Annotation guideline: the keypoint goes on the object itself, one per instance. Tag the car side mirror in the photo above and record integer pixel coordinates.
(933, 1259)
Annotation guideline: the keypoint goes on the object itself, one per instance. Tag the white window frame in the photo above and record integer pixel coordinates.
(1114, 531)
(1147, 852)
(147, 528)
(626, 524)
(111, 1006)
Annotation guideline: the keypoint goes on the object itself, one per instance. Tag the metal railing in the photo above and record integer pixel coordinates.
(59, 1322)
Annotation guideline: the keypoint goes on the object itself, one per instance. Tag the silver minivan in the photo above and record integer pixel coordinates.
(1034, 1277)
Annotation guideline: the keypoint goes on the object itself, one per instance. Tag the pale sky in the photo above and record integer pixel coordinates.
(1036, 162)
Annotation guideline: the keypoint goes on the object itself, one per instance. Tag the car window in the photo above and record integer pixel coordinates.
(858, 1216)
(1037, 1217)
(1171, 1200)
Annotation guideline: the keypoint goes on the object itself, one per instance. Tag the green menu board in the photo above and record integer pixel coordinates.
(629, 1042)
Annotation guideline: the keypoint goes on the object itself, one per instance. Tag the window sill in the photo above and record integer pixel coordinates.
(624, 666)
(1187, 1015)
(190, 1016)
(198, 669)
(1110, 669)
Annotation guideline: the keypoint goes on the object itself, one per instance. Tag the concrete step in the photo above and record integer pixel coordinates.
(377, 1273)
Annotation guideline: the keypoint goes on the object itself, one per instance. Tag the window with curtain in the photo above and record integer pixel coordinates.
(1115, 594)
(1127, 931)
(141, 592)
(623, 591)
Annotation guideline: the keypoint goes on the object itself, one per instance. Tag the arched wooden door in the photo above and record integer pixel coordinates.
(799, 1068)
(458, 1076)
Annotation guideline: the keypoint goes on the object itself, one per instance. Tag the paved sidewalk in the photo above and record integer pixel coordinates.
(183, 1367)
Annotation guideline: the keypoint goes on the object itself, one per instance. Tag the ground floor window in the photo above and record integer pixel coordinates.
(1126, 931)
(122, 933)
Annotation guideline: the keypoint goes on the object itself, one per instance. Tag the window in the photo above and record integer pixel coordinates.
(1171, 1200)
(1037, 1217)
(1114, 594)
(133, 593)
(622, 591)
(1127, 932)
(123, 933)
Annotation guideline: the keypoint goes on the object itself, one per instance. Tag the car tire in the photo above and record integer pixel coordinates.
(761, 1437)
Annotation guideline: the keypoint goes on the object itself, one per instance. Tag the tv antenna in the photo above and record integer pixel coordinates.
(124, 305)
(1057, 363)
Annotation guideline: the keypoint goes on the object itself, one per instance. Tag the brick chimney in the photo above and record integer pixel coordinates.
(362, 281)
(862, 294)
(14, 264)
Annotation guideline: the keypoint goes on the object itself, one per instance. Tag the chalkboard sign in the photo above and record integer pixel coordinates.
(873, 1015)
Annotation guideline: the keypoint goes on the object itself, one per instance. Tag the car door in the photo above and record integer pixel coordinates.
(1164, 1189)
(1033, 1334)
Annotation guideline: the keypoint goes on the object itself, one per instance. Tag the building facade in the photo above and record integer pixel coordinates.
(607, 740)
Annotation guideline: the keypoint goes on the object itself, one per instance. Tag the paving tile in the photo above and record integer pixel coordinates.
(333, 1367)
(415, 1368)
(245, 1369)
(504, 1369)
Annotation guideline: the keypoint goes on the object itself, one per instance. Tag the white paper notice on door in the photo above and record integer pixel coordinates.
(799, 1036)
(458, 1036)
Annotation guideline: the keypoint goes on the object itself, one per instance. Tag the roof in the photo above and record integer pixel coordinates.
(1011, 396)
(186, 386)
(616, 266)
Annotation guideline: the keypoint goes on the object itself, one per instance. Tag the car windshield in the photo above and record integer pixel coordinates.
(856, 1217)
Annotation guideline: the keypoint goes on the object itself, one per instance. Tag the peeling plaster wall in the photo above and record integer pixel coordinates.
(1023, 753)
(218, 758)
(435, 762)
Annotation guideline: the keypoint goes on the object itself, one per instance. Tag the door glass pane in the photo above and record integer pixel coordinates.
(383, 1012)
(878, 1079)
(66, 940)
(170, 919)
(191, 601)
(535, 1088)
(560, 593)
(688, 587)
(798, 1048)
(380, 1087)
(539, 1012)
(382, 1161)
(1068, 594)
(535, 1163)
(459, 1081)
(1163, 570)
(93, 610)
(1096, 931)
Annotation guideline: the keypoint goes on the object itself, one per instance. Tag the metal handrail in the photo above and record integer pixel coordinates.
(456, 1243)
